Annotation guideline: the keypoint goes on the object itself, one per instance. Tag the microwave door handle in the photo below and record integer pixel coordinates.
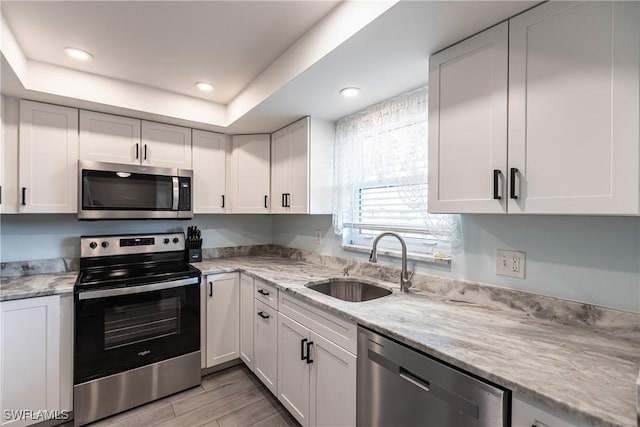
(176, 193)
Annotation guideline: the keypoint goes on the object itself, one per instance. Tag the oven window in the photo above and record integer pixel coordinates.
(103, 190)
(134, 323)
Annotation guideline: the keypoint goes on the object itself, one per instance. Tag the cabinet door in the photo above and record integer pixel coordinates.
(525, 414)
(298, 200)
(250, 174)
(166, 146)
(333, 384)
(468, 125)
(209, 172)
(246, 320)
(280, 169)
(108, 138)
(30, 356)
(48, 158)
(223, 316)
(293, 369)
(574, 109)
(265, 350)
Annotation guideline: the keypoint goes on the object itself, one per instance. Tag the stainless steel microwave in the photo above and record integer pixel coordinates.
(119, 191)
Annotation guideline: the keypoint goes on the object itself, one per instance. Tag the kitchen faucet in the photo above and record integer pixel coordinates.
(405, 278)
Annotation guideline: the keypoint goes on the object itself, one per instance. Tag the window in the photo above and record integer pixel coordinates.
(381, 179)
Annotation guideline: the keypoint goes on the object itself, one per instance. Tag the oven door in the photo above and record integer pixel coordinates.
(125, 328)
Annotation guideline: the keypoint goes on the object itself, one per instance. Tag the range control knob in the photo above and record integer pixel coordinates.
(105, 245)
(176, 240)
(166, 241)
(93, 245)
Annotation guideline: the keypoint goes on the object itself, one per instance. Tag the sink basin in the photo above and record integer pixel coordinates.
(349, 290)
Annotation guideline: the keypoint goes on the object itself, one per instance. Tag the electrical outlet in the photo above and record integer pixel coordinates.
(318, 236)
(510, 263)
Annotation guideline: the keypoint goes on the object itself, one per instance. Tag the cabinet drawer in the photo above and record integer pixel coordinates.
(333, 328)
(266, 293)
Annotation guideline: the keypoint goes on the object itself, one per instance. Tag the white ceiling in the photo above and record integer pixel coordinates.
(165, 44)
(241, 45)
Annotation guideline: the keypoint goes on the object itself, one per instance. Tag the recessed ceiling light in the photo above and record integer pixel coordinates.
(350, 92)
(78, 54)
(207, 87)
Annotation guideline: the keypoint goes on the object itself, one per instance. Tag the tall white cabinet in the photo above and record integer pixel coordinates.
(48, 158)
(246, 320)
(209, 152)
(249, 174)
(573, 139)
(468, 163)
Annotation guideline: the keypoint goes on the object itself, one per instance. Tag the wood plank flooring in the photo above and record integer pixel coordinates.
(233, 397)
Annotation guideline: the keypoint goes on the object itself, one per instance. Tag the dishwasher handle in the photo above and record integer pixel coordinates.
(413, 379)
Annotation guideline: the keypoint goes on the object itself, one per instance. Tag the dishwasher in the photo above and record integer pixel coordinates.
(401, 387)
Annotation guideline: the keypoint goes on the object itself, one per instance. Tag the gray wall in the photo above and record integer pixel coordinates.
(42, 236)
(589, 259)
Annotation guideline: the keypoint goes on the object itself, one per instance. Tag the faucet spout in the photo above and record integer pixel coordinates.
(405, 278)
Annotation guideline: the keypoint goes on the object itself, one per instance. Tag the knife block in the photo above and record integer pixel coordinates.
(194, 255)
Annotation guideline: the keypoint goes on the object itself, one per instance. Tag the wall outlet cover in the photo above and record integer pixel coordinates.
(510, 263)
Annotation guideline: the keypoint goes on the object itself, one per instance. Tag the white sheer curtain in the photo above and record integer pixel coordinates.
(380, 174)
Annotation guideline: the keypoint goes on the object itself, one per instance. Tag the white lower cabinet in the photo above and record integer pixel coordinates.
(526, 413)
(316, 378)
(246, 320)
(223, 319)
(265, 350)
(36, 359)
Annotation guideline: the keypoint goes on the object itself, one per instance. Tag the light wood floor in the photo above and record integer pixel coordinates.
(233, 397)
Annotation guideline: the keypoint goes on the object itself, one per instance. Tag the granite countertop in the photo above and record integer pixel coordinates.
(38, 285)
(586, 373)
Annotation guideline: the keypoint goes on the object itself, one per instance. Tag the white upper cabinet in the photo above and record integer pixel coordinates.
(48, 158)
(302, 167)
(10, 109)
(290, 168)
(109, 138)
(573, 114)
(468, 125)
(209, 172)
(249, 174)
(573, 108)
(166, 146)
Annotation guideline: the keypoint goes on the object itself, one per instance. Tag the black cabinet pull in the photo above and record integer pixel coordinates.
(287, 198)
(264, 316)
(302, 342)
(0, 194)
(223, 200)
(284, 205)
(512, 192)
(309, 359)
(137, 150)
(210, 289)
(265, 201)
(145, 151)
(24, 196)
(262, 292)
(496, 184)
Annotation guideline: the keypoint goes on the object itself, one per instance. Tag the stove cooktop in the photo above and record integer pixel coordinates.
(134, 274)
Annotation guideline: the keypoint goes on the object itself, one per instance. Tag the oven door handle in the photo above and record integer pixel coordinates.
(176, 193)
(103, 293)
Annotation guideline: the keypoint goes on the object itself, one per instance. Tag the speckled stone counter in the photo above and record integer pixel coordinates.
(38, 285)
(583, 372)
(579, 359)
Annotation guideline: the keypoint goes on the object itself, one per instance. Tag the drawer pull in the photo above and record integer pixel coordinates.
(263, 292)
(264, 316)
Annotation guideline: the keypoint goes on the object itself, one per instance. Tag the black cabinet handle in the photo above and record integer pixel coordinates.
(309, 359)
(210, 289)
(0, 194)
(137, 150)
(264, 316)
(496, 184)
(512, 193)
(145, 151)
(265, 201)
(283, 200)
(287, 200)
(302, 342)
(24, 196)
(262, 292)
(222, 201)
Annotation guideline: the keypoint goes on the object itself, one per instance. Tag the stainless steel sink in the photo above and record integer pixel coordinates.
(349, 289)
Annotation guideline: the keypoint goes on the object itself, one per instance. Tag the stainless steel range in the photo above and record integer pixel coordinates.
(137, 323)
